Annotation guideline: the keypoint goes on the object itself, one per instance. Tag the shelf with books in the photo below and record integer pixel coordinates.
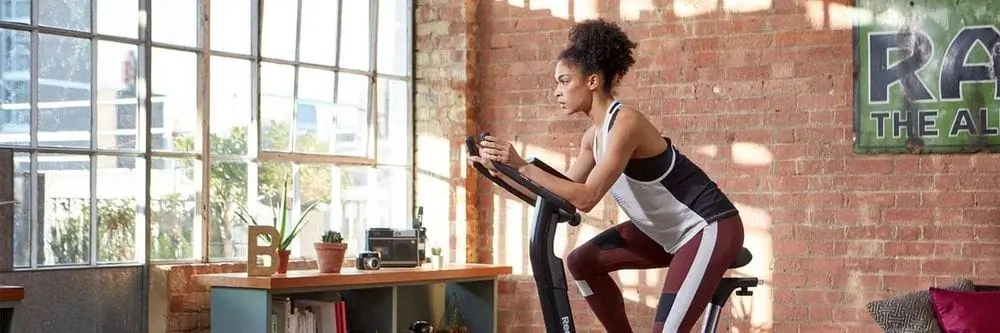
(385, 300)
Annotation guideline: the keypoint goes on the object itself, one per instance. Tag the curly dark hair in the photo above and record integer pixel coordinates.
(597, 45)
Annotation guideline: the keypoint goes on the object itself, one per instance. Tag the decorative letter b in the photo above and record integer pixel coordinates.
(253, 250)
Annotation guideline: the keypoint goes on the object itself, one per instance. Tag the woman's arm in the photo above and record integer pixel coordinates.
(578, 171)
(621, 143)
(585, 160)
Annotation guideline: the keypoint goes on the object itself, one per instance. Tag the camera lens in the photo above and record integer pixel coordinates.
(373, 262)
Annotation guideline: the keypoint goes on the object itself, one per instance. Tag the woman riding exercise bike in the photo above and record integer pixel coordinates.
(679, 218)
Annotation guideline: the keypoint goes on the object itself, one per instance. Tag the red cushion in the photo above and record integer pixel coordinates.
(966, 311)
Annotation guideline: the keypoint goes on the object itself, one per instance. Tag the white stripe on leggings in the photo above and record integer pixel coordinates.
(692, 281)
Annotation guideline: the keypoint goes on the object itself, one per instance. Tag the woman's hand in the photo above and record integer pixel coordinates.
(486, 163)
(496, 149)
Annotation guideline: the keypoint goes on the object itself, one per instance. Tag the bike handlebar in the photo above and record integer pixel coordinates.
(566, 210)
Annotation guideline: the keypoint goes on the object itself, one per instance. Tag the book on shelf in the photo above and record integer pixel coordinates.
(308, 316)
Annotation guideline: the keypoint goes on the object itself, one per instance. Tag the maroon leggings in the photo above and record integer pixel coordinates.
(693, 274)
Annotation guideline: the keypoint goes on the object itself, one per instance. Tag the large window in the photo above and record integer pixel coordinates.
(116, 139)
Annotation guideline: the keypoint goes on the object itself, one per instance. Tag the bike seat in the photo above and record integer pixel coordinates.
(742, 259)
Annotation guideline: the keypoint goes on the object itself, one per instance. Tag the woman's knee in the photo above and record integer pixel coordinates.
(581, 261)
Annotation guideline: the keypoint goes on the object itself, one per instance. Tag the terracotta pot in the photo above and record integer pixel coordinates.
(330, 256)
(283, 261)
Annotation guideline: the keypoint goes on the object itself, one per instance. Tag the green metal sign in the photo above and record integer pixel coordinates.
(926, 76)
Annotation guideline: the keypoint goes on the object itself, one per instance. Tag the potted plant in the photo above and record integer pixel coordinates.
(436, 258)
(286, 230)
(330, 252)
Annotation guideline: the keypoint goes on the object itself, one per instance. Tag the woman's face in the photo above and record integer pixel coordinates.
(574, 92)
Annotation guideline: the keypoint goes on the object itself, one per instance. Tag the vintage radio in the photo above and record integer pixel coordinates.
(396, 247)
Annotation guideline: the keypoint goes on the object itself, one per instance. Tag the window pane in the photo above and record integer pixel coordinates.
(307, 185)
(16, 11)
(229, 185)
(66, 14)
(64, 73)
(64, 191)
(15, 87)
(355, 47)
(319, 30)
(351, 116)
(393, 129)
(118, 18)
(365, 197)
(175, 22)
(22, 211)
(230, 103)
(231, 26)
(278, 29)
(117, 104)
(312, 184)
(393, 37)
(120, 191)
(175, 112)
(276, 104)
(313, 118)
(176, 231)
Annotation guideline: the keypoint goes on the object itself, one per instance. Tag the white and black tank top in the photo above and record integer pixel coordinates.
(666, 196)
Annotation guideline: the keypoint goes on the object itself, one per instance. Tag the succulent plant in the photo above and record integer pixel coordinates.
(332, 237)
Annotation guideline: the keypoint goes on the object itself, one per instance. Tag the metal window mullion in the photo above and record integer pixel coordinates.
(204, 118)
(292, 125)
(161, 45)
(95, 236)
(318, 66)
(145, 103)
(69, 150)
(144, 62)
(373, 111)
(33, 133)
(411, 110)
(228, 54)
(69, 33)
(253, 130)
(337, 70)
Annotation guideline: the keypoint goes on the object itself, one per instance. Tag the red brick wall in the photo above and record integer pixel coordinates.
(179, 304)
(761, 99)
(780, 76)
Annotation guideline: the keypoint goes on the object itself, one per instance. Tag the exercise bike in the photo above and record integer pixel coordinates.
(550, 278)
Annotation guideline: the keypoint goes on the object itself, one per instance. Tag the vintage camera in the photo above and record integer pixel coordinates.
(369, 260)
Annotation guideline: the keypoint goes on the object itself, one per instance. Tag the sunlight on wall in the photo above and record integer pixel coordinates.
(511, 225)
(758, 308)
(554, 159)
(746, 6)
(515, 3)
(434, 155)
(557, 8)
(585, 9)
(430, 190)
(751, 154)
(461, 226)
(631, 9)
(689, 8)
(840, 16)
(741, 153)
(707, 150)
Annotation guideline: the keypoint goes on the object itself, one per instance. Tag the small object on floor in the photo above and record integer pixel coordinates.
(421, 326)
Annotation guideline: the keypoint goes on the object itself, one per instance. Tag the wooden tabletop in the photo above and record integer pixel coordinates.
(11, 293)
(349, 276)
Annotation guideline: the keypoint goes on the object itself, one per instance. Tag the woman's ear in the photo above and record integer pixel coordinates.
(593, 81)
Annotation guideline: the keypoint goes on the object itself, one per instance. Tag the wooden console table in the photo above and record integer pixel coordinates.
(376, 301)
(10, 301)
